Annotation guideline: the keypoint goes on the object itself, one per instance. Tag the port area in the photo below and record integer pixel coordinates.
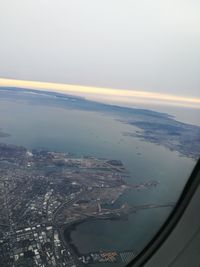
(42, 193)
(108, 257)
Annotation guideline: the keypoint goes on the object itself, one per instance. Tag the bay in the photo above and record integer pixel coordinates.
(99, 135)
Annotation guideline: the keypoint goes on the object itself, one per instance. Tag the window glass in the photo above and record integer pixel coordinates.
(99, 126)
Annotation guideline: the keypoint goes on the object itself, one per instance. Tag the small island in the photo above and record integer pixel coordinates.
(2, 134)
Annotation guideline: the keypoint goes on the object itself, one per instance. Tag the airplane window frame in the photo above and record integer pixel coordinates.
(188, 192)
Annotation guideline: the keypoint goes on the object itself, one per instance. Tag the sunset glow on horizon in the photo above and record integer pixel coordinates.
(106, 94)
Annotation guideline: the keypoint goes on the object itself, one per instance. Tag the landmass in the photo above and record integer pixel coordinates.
(45, 193)
(173, 135)
(151, 126)
(2, 134)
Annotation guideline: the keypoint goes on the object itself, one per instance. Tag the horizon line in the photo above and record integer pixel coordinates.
(106, 94)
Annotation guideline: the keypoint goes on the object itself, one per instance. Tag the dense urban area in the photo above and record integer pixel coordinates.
(44, 193)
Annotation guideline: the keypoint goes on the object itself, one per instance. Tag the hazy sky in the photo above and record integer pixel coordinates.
(151, 45)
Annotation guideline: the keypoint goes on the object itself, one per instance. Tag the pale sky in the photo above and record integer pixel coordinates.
(143, 45)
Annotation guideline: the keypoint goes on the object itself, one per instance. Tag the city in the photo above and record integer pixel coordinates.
(43, 193)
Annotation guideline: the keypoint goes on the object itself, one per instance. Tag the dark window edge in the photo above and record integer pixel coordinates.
(171, 222)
